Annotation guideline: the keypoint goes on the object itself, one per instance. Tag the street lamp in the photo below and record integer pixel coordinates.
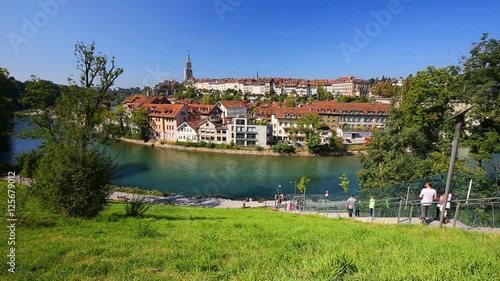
(295, 190)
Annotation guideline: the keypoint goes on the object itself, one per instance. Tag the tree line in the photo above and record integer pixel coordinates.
(416, 142)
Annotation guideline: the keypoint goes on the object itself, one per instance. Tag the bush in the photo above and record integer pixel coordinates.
(283, 148)
(137, 206)
(259, 148)
(75, 180)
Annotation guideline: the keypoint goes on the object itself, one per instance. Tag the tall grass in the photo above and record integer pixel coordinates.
(187, 243)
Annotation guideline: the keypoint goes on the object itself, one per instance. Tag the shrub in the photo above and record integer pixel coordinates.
(75, 180)
(283, 148)
(137, 206)
(259, 148)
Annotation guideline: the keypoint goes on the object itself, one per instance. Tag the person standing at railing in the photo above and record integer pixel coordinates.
(351, 205)
(428, 194)
(446, 208)
(371, 206)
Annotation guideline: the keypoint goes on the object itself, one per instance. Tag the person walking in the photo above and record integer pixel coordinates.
(371, 206)
(351, 205)
(428, 194)
(359, 208)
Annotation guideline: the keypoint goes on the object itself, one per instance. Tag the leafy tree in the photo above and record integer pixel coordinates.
(414, 132)
(140, 123)
(28, 162)
(345, 99)
(309, 125)
(6, 106)
(290, 101)
(121, 117)
(39, 94)
(73, 176)
(482, 90)
(322, 94)
(303, 183)
(283, 148)
(336, 144)
(386, 89)
(344, 182)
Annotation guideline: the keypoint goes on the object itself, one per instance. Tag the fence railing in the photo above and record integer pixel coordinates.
(470, 213)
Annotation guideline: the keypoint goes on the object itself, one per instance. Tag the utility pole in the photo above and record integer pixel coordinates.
(459, 122)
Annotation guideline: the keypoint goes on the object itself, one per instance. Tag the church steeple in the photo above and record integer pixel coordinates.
(188, 71)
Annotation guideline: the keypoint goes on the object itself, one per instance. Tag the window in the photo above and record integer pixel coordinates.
(240, 121)
(251, 137)
(240, 142)
(250, 143)
(252, 129)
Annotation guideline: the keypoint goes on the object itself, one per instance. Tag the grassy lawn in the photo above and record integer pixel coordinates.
(187, 243)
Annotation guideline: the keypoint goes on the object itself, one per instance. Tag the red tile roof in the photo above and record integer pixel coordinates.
(164, 110)
(133, 98)
(233, 103)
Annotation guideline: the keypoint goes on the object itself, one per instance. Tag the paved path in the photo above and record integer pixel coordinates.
(213, 202)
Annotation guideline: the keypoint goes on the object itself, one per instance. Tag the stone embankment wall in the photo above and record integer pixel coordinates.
(226, 151)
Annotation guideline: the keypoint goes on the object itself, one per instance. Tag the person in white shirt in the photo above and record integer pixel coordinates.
(428, 194)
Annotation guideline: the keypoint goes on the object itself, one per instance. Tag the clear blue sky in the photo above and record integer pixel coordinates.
(235, 38)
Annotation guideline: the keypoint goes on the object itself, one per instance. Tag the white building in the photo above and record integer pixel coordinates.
(244, 132)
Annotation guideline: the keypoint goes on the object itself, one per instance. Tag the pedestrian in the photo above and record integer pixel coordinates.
(428, 194)
(446, 204)
(351, 205)
(359, 208)
(371, 206)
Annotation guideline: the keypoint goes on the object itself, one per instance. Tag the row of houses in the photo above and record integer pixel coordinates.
(345, 86)
(232, 121)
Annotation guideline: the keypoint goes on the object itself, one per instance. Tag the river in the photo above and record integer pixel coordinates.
(207, 173)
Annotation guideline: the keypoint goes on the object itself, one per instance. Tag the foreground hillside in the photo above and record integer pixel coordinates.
(187, 243)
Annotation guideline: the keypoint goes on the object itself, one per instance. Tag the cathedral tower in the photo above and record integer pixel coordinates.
(188, 71)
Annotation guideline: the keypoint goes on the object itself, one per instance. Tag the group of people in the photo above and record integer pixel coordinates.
(354, 207)
(427, 195)
(280, 198)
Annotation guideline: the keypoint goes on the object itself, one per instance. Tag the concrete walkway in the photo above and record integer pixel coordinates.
(403, 220)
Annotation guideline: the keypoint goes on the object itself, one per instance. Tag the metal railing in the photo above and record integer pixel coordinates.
(464, 213)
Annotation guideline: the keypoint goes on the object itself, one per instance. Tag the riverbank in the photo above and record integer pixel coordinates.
(242, 151)
(195, 201)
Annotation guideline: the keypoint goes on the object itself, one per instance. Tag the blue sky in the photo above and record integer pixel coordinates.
(235, 38)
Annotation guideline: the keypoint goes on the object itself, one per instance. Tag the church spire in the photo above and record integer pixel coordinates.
(188, 71)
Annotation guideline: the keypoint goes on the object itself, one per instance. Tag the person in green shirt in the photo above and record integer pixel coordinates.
(371, 206)
(359, 208)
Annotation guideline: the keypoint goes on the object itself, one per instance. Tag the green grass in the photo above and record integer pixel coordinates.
(187, 243)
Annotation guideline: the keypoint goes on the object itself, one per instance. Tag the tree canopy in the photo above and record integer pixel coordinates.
(416, 141)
